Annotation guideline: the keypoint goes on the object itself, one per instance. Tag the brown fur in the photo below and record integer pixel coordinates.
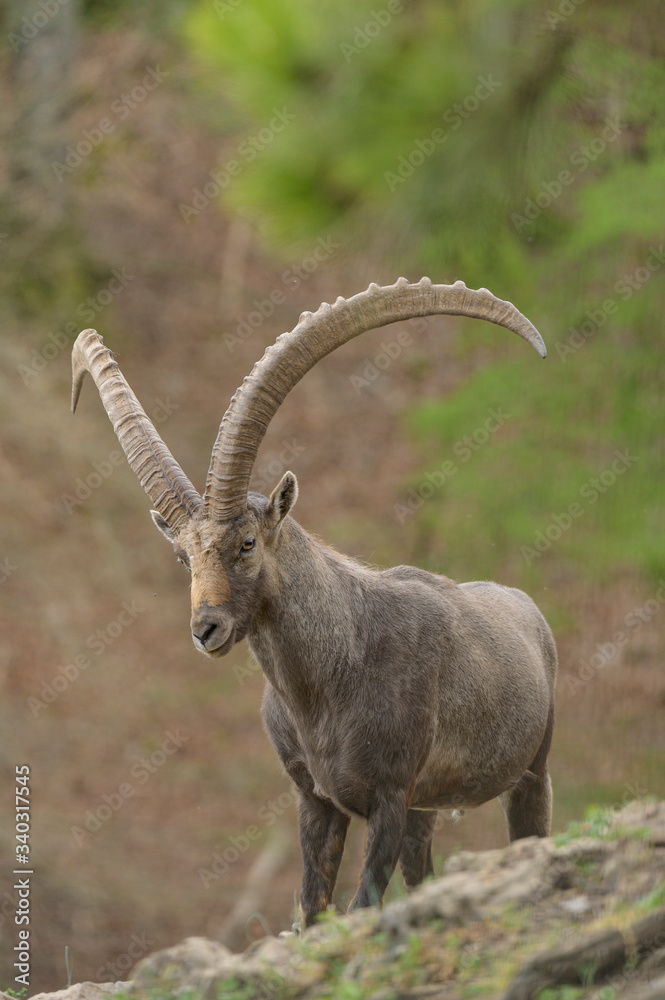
(210, 585)
(390, 694)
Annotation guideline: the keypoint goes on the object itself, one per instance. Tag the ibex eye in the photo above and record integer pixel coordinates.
(248, 544)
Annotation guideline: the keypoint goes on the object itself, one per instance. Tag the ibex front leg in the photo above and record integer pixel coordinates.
(386, 827)
(322, 833)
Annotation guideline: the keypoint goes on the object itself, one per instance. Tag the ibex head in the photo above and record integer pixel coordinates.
(231, 565)
(229, 538)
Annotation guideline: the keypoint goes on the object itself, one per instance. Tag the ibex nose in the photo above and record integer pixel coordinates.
(212, 632)
(204, 635)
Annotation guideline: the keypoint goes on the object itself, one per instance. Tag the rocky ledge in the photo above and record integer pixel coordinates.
(579, 915)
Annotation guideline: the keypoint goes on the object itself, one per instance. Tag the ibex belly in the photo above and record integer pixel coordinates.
(495, 700)
(465, 773)
(442, 786)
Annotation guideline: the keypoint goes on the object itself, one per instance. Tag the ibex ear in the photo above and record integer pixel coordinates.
(161, 524)
(282, 499)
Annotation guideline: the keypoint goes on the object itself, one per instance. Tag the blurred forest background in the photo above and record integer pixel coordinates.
(186, 176)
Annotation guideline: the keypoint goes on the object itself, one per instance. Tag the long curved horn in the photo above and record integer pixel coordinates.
(316, 335)
(159, 474)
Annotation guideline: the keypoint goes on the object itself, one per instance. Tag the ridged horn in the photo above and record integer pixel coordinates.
(317, 334)
(159, 474)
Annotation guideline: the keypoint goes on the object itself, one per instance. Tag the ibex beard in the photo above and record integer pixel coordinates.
(390, 694)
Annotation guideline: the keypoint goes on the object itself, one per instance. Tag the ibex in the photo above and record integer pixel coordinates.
(390, 694)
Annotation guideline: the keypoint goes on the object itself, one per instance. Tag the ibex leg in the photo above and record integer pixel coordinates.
(528, 806)
(415, 859)
(322, 833)
(386, 827)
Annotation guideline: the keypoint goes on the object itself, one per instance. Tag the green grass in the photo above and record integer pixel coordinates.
(233, 989)
(652, 900)
(599, 822)
(562, 993)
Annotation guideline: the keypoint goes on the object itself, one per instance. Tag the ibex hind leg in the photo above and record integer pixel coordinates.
(415, 858)
(528, 805)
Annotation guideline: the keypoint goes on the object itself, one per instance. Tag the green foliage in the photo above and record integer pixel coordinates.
(363, 95)
(562, 993)
(542, 183)
(599, 822)
(346, 989)
(557, 448)
(233, 989)
(411, 958)
(652, 900)
(516, 105)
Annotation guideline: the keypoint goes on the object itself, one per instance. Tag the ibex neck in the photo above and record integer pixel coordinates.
(310, 626)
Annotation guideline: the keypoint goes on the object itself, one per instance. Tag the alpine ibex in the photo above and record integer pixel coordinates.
(390, 694)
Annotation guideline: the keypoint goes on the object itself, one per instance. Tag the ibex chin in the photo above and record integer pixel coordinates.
(389, 694)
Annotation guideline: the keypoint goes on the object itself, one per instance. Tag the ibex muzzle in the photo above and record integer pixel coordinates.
(389, 694)
(212, 631)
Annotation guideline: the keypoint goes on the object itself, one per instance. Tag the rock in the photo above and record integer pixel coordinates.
(478, 885)
(577, 905)
(81, 991)
(495, 914)
(591, 958)
(654, 990)
(195, 964)
(646, 816)
(655, 963)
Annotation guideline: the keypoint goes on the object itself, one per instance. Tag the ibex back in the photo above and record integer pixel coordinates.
(389, 694)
